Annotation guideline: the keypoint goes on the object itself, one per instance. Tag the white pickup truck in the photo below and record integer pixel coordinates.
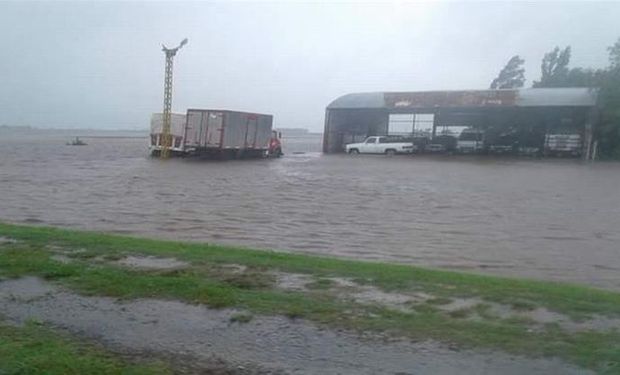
(381, 145)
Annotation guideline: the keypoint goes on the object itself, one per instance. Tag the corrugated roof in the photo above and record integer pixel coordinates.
(566, 97)
(362, 100)
(543, 97)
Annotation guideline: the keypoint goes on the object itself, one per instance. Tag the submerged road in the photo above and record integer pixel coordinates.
(547, 219)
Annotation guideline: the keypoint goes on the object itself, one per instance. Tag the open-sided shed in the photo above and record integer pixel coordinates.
(532, 113)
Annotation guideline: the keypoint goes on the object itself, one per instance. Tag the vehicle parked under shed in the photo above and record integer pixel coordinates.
(524, 116)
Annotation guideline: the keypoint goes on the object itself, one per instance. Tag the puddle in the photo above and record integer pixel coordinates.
(398, 301)
(61, 258)
(343, 282)
(367, 294)
(234, 268)
(460, 304)
(56, 248)
(347, 288)
(7, 240)
(266, 345)
(405, 302)
(293, 281)
(26, 289)
(539, 316)
(595, 323)
(65, 251)
(152, 263)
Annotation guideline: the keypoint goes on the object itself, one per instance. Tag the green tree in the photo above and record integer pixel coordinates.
(511, 76)
(608, 131)
(614, 55)
(554, 68)
(580, 77)
(555, 73)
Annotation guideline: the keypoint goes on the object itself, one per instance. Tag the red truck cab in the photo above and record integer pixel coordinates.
(275, 144)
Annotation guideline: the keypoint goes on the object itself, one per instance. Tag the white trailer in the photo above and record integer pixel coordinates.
(177, 129)
(228, 134)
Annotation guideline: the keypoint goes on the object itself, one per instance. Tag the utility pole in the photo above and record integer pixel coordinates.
(166, 137)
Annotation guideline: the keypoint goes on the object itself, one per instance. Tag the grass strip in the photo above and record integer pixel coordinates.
(205, 282)
(34, 349)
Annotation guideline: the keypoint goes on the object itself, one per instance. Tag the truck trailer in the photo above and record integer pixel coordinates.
(223, 134)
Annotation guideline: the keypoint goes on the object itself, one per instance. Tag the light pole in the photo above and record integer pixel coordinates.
(166, 137)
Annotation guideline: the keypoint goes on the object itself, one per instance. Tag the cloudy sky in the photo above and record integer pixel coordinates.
(100, 65)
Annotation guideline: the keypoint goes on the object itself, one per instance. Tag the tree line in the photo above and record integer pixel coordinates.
(555, 72)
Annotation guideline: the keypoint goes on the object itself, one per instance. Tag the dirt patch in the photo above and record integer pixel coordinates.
(263, 344)
(152, 263)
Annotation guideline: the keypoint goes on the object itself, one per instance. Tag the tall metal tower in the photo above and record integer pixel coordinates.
(166, 137)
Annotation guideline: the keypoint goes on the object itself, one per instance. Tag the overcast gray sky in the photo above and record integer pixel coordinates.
(100, 65)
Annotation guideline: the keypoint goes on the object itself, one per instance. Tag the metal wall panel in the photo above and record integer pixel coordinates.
(204, 128)
(235, 128)
(263, 135)
(247, 130)
(213, 127)
(227, 129)
(193, 128)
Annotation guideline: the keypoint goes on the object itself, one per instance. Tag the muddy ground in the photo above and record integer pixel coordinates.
(198, 339)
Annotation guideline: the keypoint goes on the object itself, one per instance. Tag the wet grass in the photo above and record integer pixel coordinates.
(211, 281)
(34, 349)
(522, 305)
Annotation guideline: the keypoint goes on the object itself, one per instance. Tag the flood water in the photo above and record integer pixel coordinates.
(548, 219)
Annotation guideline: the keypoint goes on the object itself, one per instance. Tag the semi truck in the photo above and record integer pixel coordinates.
(220, 134)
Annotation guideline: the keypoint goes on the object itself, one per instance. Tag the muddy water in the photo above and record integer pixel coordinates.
(264, 345)
(551, 219)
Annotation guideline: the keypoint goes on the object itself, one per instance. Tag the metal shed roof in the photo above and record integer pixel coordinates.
(543, 97)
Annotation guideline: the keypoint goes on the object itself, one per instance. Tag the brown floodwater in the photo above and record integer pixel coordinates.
(548, 219)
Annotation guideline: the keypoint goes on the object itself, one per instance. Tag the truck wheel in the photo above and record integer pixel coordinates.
(390, 152)
(354, 151)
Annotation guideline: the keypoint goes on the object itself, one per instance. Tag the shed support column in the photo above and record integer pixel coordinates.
(589, 142)
(326, 131)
